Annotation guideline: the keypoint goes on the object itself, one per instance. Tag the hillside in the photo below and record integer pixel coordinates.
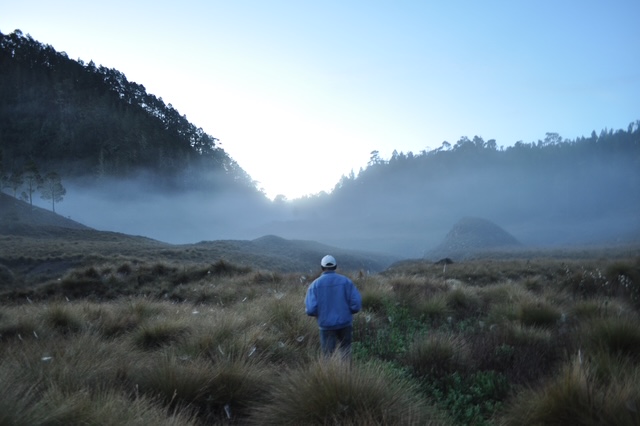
(37, 246)
(18, 217)
(90, 122)
(554, 192)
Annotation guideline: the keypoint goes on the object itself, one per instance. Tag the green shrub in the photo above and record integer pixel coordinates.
(389, 338)
(470, 399)
(437, 354)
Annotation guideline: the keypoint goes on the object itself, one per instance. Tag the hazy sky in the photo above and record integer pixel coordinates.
(300, 92)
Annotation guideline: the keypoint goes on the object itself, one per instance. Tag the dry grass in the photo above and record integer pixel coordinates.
(438, 354)
(212, 343)
(334, 392)
(577, 397)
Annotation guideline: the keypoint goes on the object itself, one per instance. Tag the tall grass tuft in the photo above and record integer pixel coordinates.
(159, 333)
(616, 335)
(375, 292)
(17, 328)
(110, 407)
(575, 397)
(538, 314)
(375, 299)
(176, 383)
(331, 391)
(238, 384)
(72, 363)
(62, 319)
(224, 268)
(410, 289)
(463, 301)
(295, 335)
(433, 308)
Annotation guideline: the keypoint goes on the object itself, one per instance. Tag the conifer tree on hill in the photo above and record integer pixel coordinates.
(52, 189)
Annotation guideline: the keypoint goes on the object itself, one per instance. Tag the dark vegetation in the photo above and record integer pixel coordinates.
(129, 328)
(92, 123)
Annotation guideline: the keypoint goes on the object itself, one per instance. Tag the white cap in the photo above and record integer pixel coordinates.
(328, 261)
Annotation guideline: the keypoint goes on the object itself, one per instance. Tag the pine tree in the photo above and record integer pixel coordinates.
(32, 180)
(52, 189)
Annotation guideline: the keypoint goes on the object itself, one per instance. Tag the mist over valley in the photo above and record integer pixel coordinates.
(405, 210)
(132, 164)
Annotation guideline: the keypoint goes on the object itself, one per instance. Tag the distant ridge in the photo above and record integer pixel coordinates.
(472, 235)
(32, 226)
(274, 252)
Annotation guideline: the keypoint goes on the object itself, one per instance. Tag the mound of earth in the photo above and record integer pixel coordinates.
(471, 236)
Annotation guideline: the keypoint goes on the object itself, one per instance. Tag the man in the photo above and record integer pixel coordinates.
(333, 299)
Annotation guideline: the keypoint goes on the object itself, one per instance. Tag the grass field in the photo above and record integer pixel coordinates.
(156, 334)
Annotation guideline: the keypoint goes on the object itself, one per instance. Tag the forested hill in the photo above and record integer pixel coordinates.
(555, 191)
(91, 122)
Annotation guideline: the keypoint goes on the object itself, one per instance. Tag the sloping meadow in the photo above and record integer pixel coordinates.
(479, 342)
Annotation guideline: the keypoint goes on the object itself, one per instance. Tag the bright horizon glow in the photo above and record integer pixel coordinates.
(300, 93)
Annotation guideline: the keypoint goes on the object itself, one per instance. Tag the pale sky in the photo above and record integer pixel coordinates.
(300, 92)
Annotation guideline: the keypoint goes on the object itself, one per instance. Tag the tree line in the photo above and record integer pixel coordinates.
(591, 183)
(23, 183)
(549, 155)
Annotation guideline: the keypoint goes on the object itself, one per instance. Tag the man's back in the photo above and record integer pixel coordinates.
(333, 298)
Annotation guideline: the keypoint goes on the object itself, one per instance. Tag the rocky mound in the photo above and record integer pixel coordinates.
(471, 236)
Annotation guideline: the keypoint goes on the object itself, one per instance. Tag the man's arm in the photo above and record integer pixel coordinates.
(310, 302)
(355, 304)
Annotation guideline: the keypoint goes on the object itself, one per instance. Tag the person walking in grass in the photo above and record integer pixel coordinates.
(333, 299)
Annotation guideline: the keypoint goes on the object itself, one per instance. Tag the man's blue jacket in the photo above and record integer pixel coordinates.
(333, 298)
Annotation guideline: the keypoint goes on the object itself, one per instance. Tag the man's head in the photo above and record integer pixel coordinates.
(328, 263)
